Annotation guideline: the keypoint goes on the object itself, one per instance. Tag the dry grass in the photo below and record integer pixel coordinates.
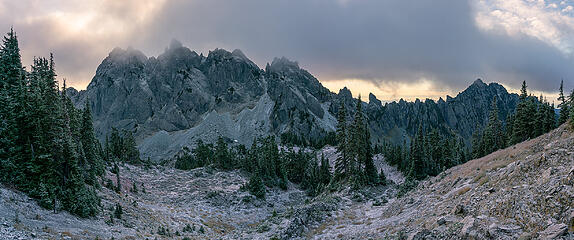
(479, 176)
(463, 190)
(483, 181)
(218, 226)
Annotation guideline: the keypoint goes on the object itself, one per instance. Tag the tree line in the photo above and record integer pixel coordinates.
(354, 162)
(268, 164)
(532, 117)
(430, 153)
(48, 147)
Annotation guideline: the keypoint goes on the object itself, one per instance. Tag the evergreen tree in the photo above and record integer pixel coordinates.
(13, 94)
(477, 143)
(11, 70)
(250, 164)
(531, 109)
(310, 177)
(563, 105)
(549, 121)
(382, 178)
(417, 169)
(118, 180)
(325, 171)
(115, 145)
(435, 150)
(370, 169)
(256, 186)
(89, 144)
(342, 162)
(283, 184)
(357, 143)
(222, 156)
(522, 127)
(42, 153)
(509, 129)
(493, 138)
(118, 211)
(130, 151)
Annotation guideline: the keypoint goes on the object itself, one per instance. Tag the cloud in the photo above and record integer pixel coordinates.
(536, 19)
(448, 43)
(79, 33)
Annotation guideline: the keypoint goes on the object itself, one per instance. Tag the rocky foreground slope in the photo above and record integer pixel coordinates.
(525, 191)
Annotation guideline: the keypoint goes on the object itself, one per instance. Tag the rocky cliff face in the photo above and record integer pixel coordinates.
(171, 101)
(301, 102)
(461, 115)
(171, 92)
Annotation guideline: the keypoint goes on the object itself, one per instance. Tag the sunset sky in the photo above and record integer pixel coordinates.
(393, 48)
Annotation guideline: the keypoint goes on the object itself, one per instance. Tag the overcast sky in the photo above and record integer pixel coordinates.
(394, 48)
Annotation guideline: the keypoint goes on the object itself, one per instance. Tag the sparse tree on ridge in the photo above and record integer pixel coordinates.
(563, 105)
(522, 127)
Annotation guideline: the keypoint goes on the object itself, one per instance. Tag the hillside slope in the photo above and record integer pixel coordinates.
(526, 190)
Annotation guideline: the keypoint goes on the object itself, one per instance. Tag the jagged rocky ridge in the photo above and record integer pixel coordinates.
(174, 99)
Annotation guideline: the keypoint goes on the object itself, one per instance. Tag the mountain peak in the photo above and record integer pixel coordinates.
(283, 64)
(478, 82)
(373, 100)
(175, 44)
(345, 92)
(122, 54)
(238, 53)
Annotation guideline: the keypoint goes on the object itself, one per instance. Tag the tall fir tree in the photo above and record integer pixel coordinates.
(477, 143)
(90, 146)
(522, 127)
(417, 168)
(370, 169)
(493, 137)
(222, 155)
(563, 105)
(12, 96)
(325, 171)
(11, 70)
(549, 121)
(538, 126)
(509, 128)
(342, 162)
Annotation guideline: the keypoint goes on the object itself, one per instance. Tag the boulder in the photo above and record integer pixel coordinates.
(459, 210)
(468, 225)
(553, 231)
(441, 221)
(501, 231)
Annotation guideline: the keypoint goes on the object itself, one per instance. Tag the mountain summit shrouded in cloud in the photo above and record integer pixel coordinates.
(382, 43)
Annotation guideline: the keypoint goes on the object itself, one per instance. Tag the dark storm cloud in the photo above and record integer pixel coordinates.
(370, 39)
(374, 40)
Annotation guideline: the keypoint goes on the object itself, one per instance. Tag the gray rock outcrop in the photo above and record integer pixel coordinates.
(172, 100)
